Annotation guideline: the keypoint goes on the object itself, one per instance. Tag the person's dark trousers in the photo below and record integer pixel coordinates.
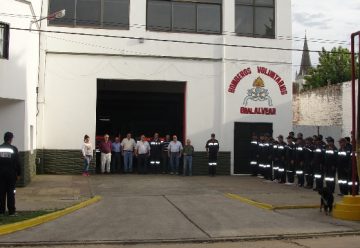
(268, 172)
(319, 181)
(7, 194)
(116, 162)
(254, 167)
(310, 180)
(155, 163)
(342, 181)
(165, 162)
(290, 172)
(330, 181)
(309, 175)
(142, 163)
(212, 170)
(212, 164)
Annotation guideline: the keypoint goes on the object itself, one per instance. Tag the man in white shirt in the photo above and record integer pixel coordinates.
(128, 146)
(142, 152)
(174, 150)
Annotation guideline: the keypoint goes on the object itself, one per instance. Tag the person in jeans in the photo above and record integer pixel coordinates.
(87, 153)
(174, 151)
(128, 145)
(105, 149)
(142, 152)
(116, 156)
(188, 155)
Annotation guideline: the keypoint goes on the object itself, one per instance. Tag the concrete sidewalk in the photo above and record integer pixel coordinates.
(49, 192)
(160, 208)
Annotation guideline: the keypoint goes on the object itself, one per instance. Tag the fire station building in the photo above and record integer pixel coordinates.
(182, 67)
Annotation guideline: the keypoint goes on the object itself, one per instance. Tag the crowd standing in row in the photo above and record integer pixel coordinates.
(154, 156)
(310, 160)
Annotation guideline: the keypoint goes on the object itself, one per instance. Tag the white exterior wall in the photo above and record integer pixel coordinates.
(73, 63)
(347, 109)
(19, 74)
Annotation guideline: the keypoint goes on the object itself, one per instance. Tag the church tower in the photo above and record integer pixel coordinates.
(305, 65)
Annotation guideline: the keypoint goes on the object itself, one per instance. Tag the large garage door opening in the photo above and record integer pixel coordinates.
(140, 107)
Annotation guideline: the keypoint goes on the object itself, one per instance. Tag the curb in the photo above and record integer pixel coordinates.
(184, 241)
(265, 205)
(18, 226)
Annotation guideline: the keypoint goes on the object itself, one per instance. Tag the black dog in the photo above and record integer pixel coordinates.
(327, 200)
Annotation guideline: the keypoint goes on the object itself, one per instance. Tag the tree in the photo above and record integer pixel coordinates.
(334, 67)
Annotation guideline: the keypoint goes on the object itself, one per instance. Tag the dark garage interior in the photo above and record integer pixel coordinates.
(140, 107)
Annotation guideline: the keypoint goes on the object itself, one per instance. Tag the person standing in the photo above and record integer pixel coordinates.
(266, 156)
(318, 164)
(9, 174)
(254, 155)
(128, 146)
(188, 155)
(290, 159)
(142, 152)
(330, 160)
(308, 166)
(278, 155)
(174, 152)
(212, 148)
(155, 156)
(165, 154)
(343, 166)
(105, 149)
(116, 156)
(299, 161)
(87, 152)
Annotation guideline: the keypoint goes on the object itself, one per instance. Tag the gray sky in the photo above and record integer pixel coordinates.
(332, 21)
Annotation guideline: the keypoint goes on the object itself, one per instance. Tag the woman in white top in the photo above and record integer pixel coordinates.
(87, 153)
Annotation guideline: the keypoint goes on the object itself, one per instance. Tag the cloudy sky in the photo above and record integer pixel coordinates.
(328, 23)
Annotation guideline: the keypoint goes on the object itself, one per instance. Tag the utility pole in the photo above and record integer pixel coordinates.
(355, 119)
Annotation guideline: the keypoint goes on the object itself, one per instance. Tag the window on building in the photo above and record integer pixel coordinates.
(92, 13)
(255, 18)
(198, 16)
(4, 40)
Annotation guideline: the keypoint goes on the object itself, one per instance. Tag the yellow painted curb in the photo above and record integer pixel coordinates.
(295, 207)
(21, 225)
(348, 208)
(267, 206)
(251, 202)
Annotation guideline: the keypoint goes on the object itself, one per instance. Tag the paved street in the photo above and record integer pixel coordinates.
(156, 208)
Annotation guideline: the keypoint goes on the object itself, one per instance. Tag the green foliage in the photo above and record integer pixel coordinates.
(21, 216)
(334, 67)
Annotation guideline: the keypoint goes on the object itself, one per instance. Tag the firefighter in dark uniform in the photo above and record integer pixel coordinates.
(343, 166)
(308, 165)
(9, 173)
(318, 164)
(265, 157)
(254, 155)
(350, 183)
(155, 154)
(212, 149)
(330, 159)
(280, 162)
(261, 146)
(165, 154)
(275, 160)
(299, 161)
(289, 159)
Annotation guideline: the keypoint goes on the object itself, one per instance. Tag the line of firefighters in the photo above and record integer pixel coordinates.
(311, 160)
